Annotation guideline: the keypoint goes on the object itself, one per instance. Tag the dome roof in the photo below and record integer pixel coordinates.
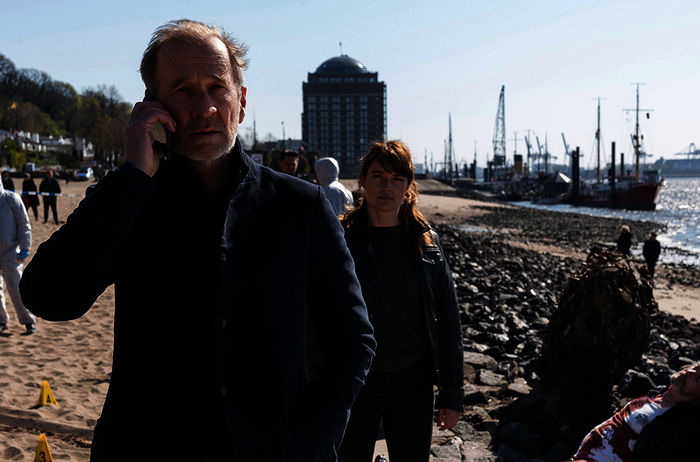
(342, 64)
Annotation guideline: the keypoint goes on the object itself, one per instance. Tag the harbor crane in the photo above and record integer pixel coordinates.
(540, 155)
(568, 152)
(691, 151)
(529, 148)
(499, 131)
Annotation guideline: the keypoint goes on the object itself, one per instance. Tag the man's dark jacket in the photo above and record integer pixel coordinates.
(209, 334)
(439, 302)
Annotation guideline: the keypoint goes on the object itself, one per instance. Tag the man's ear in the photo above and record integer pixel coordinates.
(241, 112)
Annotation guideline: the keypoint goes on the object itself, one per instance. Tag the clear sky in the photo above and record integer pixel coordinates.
(437, 58)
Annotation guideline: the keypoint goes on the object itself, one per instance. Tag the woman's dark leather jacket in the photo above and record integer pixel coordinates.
(438, 299)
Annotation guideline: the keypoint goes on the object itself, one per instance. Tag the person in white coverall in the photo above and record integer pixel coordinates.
(326, 169)
(15, 244)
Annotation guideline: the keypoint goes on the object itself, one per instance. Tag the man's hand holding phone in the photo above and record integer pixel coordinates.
(138, 146)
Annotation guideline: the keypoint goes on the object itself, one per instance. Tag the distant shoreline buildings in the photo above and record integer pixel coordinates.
(79, 148)
(344, 111)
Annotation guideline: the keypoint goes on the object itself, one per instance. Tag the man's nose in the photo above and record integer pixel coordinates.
(204, 106)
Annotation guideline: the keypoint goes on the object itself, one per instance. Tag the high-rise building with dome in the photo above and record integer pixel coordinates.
(344, 110)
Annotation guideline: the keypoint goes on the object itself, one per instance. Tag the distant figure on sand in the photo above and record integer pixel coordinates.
(651, 252)
(624, 240)
(50, 185)
(31, 201)
(218, 314)
(7, 182)
(326, 169)
(15, 245)
(615, 439)
(411, 299)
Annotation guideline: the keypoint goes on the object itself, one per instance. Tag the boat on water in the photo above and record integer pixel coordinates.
(638, 191)
(625, 193)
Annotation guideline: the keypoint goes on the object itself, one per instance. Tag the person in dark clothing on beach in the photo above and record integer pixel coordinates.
(651, 252)
(31, 201)
(7, 182)
(624, 240)
(50, 186)
(214, 306)
(411, 301)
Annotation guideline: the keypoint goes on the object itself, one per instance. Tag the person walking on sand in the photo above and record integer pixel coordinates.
(15, 245)
(412, 304)
(7, 182)
(326, 169)
(31, 201)
(651, 252)
(215, 308)
(49, 187)
(624, 240)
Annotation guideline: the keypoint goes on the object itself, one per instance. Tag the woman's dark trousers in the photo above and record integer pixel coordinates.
(403, 400)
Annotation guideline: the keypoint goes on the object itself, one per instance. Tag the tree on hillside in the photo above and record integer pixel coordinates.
(102, 116)
(31, 100)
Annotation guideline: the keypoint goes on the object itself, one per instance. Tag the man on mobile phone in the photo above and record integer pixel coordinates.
(214, 308)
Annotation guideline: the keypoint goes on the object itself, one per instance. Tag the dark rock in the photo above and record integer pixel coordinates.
(636, 384)
(476, 396)
(507, 368)
(487, 377)
(446, 453)
(520, 388)
(517, 436)
(469, 373)
(479, 360)
(557, 453)
(508, 454)
(463, 430)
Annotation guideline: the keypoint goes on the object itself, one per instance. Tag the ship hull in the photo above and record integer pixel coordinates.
(638, 196)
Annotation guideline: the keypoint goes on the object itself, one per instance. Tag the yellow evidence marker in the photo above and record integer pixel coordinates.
(46, 395)
(43, 454)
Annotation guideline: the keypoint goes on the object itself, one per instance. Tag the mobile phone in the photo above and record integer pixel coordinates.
(160, 136)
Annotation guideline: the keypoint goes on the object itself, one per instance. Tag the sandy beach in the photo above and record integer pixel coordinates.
(75, 357)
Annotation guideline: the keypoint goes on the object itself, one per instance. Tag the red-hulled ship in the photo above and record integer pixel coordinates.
(633, 192)
(625, 193)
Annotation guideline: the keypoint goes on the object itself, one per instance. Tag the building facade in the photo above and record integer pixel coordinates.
(344, 110)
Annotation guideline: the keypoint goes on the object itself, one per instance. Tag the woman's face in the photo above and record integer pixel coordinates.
(384, 190)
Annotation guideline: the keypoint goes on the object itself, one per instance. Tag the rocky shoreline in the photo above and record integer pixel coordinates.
(510, 266)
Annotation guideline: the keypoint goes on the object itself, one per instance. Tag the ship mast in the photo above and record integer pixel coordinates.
(597, 136)
(449, 154)
(636, 138)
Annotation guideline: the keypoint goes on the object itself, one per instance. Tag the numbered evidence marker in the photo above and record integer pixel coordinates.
(45, 395)
(43, 454)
